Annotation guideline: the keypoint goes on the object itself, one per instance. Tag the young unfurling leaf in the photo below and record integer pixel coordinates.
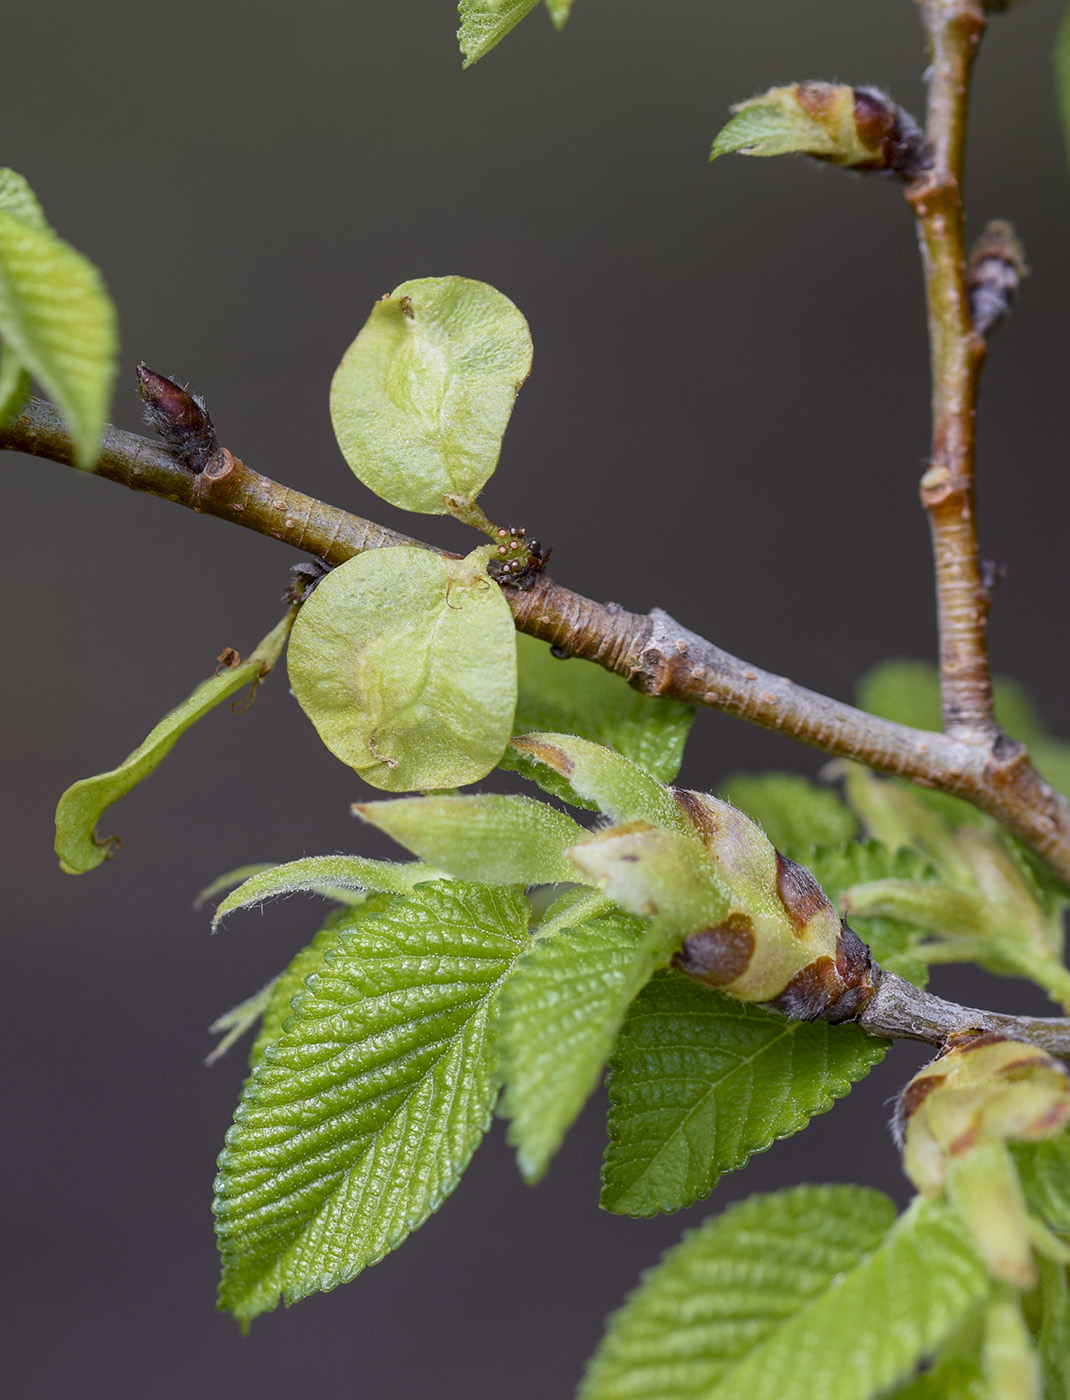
(57, 321)
(405, 663)
(491, 838)
(423, 396)
(362, 1115)
(325, 875)
(776, 1300)
(82, 805)
(699, 1081)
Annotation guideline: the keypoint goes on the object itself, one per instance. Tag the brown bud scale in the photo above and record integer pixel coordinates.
(718, 955)
(800, 894)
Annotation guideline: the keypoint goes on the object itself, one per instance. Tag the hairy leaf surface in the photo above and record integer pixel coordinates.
(559, 1015)
(82, 805)
(325, 875)
(779, 1299)
(699, 1081)
(421, 400)
(487, 837)
(405, 663)
(573, 696)
(360, 1118)
(485, 22)
(56, 318)
(793, 812)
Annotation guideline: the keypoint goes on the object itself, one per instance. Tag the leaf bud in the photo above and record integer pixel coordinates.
(954, 1119)
(860, 128)
(994, 270)
(180, 418)
(805, 962)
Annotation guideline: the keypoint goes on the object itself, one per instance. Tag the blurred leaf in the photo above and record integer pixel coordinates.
(699, 1081)
(56, 318)
(488, 837)
(360, 1118)
(573, 696)
(1054, 1333)
(405, 663)
(423, 396)
(618, 786)
(82, 805)
(794, 813)
(559, 11)
(1044, 1169)
(909, 693)
(559, 1015)
(291, 982)
(324, 875)
(801, 1294)
(1062, 74)
(14, 387)
(485, 22)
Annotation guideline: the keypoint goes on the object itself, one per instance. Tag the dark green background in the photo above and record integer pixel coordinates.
(727, 418)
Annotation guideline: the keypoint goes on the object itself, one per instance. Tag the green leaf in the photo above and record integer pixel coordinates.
(573, 696)
(793, 812)
(82, 805)
(1044, 1168)
(790, 1297)
(360, 1119)
(767, 130)
(699, 1081)
(489, 838)
(559, 11)
(325, 875)
(485, 22)
(422, 398)
(14, 387)
(1062, 74)
(894, 943)
(559, 1015)
(618, 786)
(291, 983)
(405, 663)
(231, 879)
(56, 318)
(1054, 1338)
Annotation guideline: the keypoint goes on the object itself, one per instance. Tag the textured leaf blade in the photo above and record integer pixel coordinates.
(422, 398)
(405, 663)
(573, 696)
(805, 1293)
(699, 1081)
(485, 23)
(1044, 1168)
(56, 317)
(893, 941)
(82, 805)
(486, 837)
(278, 1004)
(768, 130)
(360, 1119)
(559, 1015)
(325, 875)
(793, 812)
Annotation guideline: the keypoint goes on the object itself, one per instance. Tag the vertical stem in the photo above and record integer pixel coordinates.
(947, 487)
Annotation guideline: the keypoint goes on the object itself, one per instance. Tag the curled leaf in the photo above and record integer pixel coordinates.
(422, 397)
(325, 875)
(82, 805)
(406, 664)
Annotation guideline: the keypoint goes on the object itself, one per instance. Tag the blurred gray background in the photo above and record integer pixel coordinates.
(727, 417)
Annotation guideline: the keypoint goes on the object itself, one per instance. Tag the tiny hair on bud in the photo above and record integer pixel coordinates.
(180, 418)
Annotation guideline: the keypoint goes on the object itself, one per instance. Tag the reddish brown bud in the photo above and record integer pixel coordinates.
(181, 418)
